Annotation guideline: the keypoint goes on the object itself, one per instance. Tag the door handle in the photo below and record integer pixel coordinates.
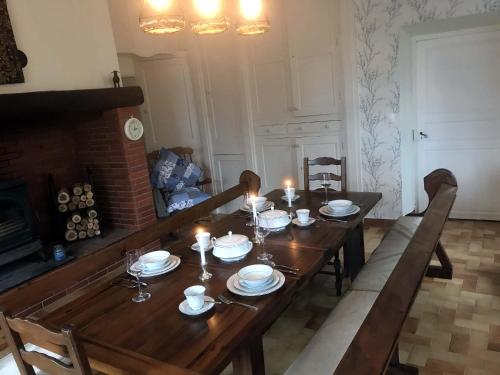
(423, 135)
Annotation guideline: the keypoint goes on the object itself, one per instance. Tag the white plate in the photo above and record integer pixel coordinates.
(266, 207)
(285, 199)
(299, 224)
(173, 263)
(325, 210)
(238, 258)
(196, 247)
(239, 284)
(231, 286)
(185, 309)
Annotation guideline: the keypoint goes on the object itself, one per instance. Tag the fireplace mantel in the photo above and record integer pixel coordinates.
(56, 104)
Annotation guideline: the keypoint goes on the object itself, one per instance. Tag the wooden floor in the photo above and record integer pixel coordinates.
(453, 328)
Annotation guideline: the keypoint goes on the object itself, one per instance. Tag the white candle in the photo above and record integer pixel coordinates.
(254, 208)
(289, 193)
(202, 238)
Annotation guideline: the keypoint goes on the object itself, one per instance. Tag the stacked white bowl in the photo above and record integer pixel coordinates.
(256, 276)
(155, 260)
(340, 206)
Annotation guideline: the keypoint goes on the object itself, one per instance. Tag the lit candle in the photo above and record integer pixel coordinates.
(254, 208)
(202, 238)
(289, 193)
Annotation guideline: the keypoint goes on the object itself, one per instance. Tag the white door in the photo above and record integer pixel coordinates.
(169, 97)
(276, 162)
(458, 109)
(315, 147)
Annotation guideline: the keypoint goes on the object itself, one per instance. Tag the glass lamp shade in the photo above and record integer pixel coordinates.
(161, 17)
(252, 18)
(210, 26)
(253, 27)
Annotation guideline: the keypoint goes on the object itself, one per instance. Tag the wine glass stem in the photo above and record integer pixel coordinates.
(326, 194)
(138, 277)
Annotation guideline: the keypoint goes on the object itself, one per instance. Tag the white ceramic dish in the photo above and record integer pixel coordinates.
(266, 206)
(172, 264)
(155, 260)
(294, 198)
(259, 203)
(231, 286)
(230, 246)
(236, 258)
(340, 205)
(274, 219)
(325, 210)
(185, 309)
(196, 247)
(255, 275)
(299, 224)
(271, 283)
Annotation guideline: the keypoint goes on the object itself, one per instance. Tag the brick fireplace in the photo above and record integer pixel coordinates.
(63, 133)
(30, 149)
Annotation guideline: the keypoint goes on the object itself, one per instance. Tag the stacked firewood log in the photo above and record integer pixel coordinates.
(78, 206)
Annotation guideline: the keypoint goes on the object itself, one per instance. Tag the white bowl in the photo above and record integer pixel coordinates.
(340, 205)
(259, 203)
(255, 275)
(273, 219)
(155, 259)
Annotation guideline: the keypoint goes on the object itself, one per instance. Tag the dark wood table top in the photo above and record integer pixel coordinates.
(207, 343)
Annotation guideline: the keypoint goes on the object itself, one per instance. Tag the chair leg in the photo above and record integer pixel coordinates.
(338, 275)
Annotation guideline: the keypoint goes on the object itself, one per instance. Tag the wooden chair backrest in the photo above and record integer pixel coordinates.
(66, 340)
(325, 161)
(371, 350)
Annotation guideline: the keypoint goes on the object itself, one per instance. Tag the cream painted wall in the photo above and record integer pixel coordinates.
(69, 44)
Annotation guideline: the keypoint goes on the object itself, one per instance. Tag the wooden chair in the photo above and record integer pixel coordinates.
(324, 161)
(65, 341)
(184, 152)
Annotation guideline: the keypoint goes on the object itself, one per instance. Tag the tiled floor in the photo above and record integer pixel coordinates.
(454, 326)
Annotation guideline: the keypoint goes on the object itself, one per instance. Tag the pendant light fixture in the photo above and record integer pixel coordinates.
(252, 19)
(161, 17)
(211, 18)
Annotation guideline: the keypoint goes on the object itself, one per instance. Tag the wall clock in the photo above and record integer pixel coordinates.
(134, 129)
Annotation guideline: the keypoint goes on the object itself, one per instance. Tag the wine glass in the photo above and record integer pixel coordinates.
(326, 184)
(135, 267)
(260, 235)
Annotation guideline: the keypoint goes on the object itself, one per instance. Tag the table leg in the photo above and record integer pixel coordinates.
(250, 359)
(338, 275)
(354, 251)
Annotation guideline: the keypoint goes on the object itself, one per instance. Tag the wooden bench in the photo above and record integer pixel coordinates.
(361, 334)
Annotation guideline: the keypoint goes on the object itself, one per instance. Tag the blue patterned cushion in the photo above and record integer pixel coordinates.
(185, 198)
(172, 173)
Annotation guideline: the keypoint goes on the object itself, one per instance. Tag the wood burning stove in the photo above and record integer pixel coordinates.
(18, 236)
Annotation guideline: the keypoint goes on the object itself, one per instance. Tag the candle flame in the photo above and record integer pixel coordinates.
(207, 8)
(288, 183)
(160, 5)
(251, 9)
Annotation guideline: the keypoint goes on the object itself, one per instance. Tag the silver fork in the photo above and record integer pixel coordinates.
(274, 265)
(230, 302)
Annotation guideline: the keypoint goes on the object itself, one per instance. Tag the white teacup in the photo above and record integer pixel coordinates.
(203, 239)
(303, 215)
(195, 296)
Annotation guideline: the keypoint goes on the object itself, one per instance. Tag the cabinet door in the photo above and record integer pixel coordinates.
(314, 147)
(312, 30)
(227, 174)
(276, 162)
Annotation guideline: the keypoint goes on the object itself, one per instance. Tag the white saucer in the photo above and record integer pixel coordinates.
(196, 247)
(172, 264)
(285, 199)
(325, 210)
(230, 284)
(248, 208)
(185, 309)
(299, 224)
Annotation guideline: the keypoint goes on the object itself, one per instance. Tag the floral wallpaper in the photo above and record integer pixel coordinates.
(377, 26)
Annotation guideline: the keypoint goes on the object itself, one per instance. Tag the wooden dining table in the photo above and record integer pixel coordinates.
(156, 332)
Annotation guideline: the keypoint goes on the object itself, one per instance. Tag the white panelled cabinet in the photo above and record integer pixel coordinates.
(280, 156)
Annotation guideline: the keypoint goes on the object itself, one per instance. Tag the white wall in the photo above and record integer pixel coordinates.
(69, 44)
